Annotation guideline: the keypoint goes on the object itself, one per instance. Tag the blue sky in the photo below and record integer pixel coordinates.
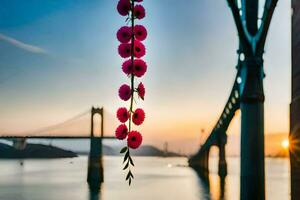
(59, 57)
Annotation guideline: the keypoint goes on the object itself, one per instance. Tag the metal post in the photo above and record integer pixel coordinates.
(295, 104)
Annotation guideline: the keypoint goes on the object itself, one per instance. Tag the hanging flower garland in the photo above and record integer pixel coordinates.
(132, 49)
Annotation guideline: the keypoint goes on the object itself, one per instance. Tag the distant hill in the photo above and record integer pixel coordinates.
(47, 151)
(144, 150)
(34, 151)
(107, 150)
(148, 150)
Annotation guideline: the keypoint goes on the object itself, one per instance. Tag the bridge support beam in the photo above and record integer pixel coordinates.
(201, 163)
(206, 162)
(252, 113)
(222, 162)
(222, 141)
(252, 152)
(95, 164)
(252, 42)
(203, 168)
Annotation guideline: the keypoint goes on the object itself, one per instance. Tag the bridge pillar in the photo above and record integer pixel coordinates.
(206, 162)
(222, 141)
(19, 143)
(95, 164)
(222, 162)
(252, 112)
(252, 137)
(295, 104)
(204, 165)
(222, 187)
(201, 163)
(252, 132)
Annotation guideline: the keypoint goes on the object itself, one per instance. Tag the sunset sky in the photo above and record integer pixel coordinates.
(59, 57)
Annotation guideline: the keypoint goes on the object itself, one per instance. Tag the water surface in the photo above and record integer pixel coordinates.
(155, 178)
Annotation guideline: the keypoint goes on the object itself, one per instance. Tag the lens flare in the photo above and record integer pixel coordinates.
(285, 144)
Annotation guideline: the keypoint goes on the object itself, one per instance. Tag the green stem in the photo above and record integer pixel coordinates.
(132, 62)
(132, 79)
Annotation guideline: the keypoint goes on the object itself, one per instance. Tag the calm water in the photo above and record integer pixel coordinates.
(155, 178)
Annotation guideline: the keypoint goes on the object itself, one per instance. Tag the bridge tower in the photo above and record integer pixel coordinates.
(95, 164)
(19, 143)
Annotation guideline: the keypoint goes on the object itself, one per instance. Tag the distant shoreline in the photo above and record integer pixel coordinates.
(42, 151)
(34, 151)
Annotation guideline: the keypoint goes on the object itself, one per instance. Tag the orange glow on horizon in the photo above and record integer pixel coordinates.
(285, 144)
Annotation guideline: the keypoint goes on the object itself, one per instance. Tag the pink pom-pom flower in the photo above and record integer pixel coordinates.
(139, 67)
(131, 38)
(127, 67)
(124, 7)
(141, 90)
(140, 32)
(134, 139)
(139, 12)
(125, 92)
(138, 116)
(124, 50)
(139, 49)
(123, 114)
(121, 132)
(124, 34)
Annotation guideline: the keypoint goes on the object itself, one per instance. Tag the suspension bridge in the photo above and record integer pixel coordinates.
(95, 175)
(247, 95)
